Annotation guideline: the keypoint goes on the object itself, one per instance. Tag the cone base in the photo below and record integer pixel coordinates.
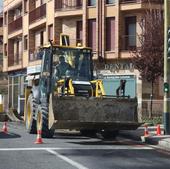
(4, 131)
(146, 135)
(38, 142)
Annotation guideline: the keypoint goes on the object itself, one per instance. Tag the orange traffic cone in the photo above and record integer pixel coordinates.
(39, 138)
(4, 128)
(158, 130)
(146, 133)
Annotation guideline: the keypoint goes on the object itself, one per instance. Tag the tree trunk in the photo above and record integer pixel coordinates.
(151, 101)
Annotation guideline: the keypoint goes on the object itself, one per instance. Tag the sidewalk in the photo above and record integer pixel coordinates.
(163, 141)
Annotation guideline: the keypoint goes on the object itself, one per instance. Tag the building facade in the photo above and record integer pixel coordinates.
(3, 76)
(109, 27)
(1, 41)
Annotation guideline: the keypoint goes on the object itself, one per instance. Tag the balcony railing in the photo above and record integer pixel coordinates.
(1, 31)
(1, 48)
(17, 58)
(14, 59)
(128, 42)
(69, 5)
(141, 1)
(37, 13)
(15, 25)
(35, 54)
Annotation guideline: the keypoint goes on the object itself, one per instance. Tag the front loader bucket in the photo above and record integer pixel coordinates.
(71, 112)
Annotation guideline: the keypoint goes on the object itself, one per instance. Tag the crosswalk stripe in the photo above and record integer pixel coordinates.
(114, 147)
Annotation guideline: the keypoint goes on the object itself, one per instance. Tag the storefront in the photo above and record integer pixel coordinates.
(112, 82)
(16, 85)
(112, 73)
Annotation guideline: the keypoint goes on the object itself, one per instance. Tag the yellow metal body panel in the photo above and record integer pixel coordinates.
(1, 108)
(27, 92)
(99, 91)
(67, 91)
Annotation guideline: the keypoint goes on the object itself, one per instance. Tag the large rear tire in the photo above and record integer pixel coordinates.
(42, 121)
(30, 115)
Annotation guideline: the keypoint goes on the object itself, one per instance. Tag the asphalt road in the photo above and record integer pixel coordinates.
(73, 151)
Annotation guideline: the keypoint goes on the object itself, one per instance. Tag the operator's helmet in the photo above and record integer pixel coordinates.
(61, 59)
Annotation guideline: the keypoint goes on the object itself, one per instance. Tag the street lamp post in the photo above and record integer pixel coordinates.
(166, 66)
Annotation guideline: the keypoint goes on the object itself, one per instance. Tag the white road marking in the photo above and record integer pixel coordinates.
(114, 147)
(68, 160)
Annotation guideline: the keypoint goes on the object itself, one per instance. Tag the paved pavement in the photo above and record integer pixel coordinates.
(162, 141)
(70, 150)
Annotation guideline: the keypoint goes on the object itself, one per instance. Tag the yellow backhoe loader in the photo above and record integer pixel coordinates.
(67, 96)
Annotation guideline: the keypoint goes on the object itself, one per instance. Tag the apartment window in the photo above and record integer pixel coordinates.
(92, 34)
(42, 2)
(5, 18)
(110, 1)
(50, 32)
(42, 38)
(25, 6)
(25, 42)
(5, 49)
(17, 52)
(1, 22)
(79, 32)
(91, 2)
(39, 3)
(18, 13)
(1, 40)
(110, 33)
(79, 3)
(130, 32)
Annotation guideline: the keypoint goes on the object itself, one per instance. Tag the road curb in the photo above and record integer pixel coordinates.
(150, 140)
(165, 143)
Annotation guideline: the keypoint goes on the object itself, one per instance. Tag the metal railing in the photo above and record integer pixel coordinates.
(1, 49)
(1, 30)
(69, 5)
(151, 113)
(34, 54)
(37, 13)
(15, 25)
(15, 59)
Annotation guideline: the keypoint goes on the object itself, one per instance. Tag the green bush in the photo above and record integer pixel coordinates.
(152, 121)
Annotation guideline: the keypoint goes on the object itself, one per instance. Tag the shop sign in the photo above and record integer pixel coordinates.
(34, 69)
(119, 66)
(118, 76)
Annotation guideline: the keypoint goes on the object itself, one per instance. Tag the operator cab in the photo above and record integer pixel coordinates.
(74, 63)
(63, 63)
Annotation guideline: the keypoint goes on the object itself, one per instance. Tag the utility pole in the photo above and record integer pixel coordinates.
(166, 66)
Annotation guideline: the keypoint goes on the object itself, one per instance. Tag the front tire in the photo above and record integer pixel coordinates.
(42, 121)
(30, 115)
